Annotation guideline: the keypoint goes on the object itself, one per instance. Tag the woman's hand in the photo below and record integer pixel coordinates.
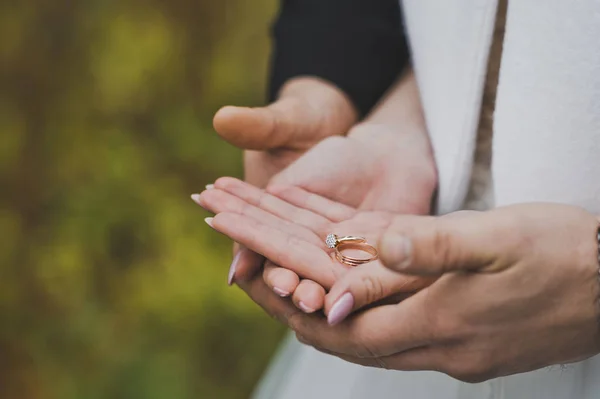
(307, 111)
(291, 234)
(518, 291)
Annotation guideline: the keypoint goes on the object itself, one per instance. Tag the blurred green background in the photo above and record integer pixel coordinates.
(111, 285)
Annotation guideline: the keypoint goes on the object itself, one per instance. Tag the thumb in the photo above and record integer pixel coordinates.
(365, 285)
(434, 246)
(307, 111)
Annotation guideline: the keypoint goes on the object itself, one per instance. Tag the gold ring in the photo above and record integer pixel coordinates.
(351, 242)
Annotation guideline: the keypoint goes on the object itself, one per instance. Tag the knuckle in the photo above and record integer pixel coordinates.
(373, 288)
(442, 249)
(472, 367)
(295, 321)
(510, 231)
(470, 377)
(302, 339)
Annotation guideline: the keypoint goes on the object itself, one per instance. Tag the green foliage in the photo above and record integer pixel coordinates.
(111, 285)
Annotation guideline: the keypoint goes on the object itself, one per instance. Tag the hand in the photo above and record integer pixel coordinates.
(518, 291)
(307, 111)
(291, 233)
(383, 164)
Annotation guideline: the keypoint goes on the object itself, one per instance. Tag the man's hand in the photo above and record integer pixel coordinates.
(518, 291)
(307, 111)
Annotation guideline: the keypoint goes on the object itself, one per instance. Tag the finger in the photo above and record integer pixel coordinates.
(282, 281)
(277, 307)
(217, 201)
(334, 211)
(418, 359)
(263, 128)
(365, 285)
(380, 331)
(276, 206)
(433, 246)
(304, 258)
(308, 109)
(245, 265)
(309, 296)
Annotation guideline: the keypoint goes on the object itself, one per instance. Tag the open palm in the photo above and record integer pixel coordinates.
(289, 229)
(374, 168)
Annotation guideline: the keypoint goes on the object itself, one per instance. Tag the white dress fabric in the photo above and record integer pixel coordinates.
(546, 147)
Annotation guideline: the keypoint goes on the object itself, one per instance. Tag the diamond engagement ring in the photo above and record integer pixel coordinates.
(332, 240)
(351, 242)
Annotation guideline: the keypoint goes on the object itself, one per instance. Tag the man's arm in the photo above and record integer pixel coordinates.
(358, 45)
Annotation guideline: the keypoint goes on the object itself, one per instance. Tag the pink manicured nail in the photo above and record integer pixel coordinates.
(340, 309)
(210, 186)
(196, 198)
(281, 292)
(305, 308)
(209, 221)
(233, 268)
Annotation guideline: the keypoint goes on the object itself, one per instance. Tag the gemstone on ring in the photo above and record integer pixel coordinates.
(331, 241)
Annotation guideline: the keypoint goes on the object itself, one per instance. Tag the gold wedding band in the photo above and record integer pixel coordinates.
(351, 242)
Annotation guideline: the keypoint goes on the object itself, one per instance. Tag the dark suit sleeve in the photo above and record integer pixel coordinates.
(358, 45)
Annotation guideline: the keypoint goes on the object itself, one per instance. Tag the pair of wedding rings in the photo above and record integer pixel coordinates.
(351, 242)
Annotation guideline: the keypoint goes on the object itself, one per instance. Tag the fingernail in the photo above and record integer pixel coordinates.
(396, 250)
(196, 198)
(340, 309)
(281, 292)
(209, 222)
(233, 268)
(305, 308)
(210, 186)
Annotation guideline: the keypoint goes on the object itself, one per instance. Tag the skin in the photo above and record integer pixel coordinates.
(376, 166)
(307, 111)
(532, 267)
(299, 220)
